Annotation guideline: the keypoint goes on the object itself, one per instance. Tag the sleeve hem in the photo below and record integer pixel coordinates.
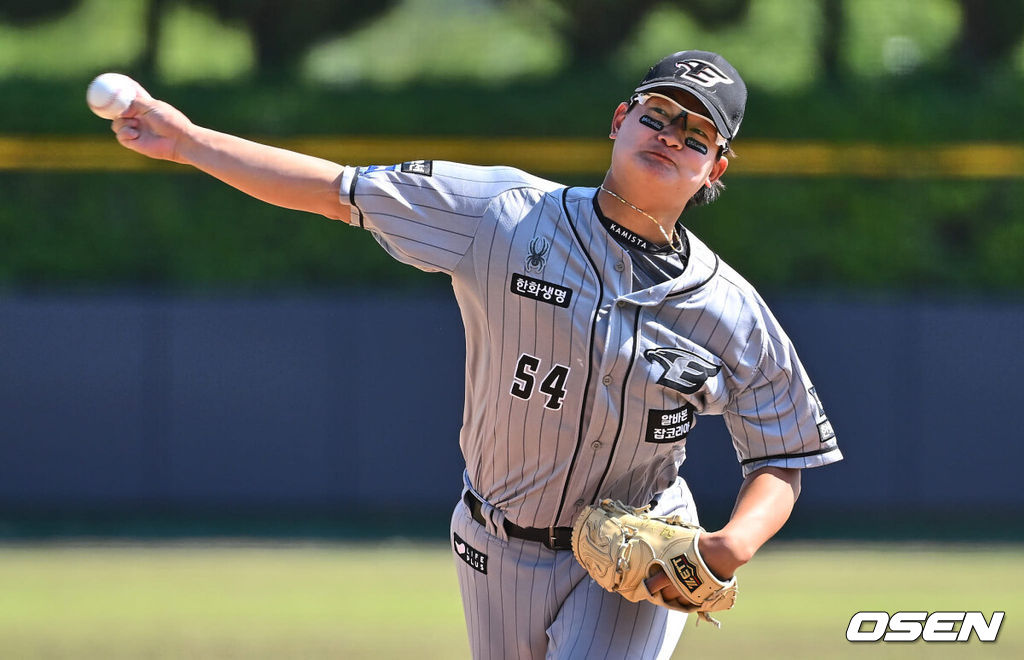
(816, 459)
(347, 188)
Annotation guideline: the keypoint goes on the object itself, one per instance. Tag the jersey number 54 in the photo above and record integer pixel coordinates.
(553, 384)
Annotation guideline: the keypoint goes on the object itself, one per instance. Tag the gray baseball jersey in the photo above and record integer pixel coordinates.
(579, 387)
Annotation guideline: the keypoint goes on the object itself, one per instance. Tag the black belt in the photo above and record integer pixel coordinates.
(553, 538)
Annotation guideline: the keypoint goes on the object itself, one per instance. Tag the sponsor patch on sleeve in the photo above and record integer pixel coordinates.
(476, 559)
(531, 287)
(819, 409)
(424, 167)
(669, 425)
(825, 431)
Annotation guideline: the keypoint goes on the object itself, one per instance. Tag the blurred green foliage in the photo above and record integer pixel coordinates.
(881, 111)
(836, 70)
(82, 231)
(780, 45)
(189, 232)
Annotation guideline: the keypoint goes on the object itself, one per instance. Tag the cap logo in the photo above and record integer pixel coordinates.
(703, 73)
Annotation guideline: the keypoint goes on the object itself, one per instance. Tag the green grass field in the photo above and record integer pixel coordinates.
(235, 600)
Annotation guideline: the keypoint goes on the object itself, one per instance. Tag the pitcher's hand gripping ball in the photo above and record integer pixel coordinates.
(110, 94)
(621, 547)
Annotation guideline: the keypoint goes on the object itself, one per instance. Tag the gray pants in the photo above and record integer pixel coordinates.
(534, 603)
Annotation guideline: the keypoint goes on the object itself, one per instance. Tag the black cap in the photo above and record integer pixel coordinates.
(709, 77)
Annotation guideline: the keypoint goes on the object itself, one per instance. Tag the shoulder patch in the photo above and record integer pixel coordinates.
(424, 167)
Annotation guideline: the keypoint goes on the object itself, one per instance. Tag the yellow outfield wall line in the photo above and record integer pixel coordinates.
(762, 158)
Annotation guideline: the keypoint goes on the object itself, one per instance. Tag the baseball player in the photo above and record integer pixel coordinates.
(598, 330)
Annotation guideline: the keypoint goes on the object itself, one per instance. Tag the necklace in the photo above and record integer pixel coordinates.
(675, 234)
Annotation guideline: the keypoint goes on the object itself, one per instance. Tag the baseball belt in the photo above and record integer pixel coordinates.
(553, 538)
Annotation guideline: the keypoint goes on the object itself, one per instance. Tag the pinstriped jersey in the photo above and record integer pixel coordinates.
(579, 387)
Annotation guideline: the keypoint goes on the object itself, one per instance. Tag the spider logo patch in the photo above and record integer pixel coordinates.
(537, 258)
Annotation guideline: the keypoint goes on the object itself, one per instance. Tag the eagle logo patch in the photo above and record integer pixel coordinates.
(685, 371)
(703, 73)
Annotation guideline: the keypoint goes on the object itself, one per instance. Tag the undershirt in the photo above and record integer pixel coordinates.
(652, 264)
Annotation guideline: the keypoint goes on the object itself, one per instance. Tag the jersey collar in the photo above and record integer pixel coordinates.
(633, 239)
(701, 266)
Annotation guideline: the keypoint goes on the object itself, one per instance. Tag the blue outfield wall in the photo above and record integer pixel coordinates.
(343, 403)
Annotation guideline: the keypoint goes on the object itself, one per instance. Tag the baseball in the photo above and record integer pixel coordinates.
(110, 94)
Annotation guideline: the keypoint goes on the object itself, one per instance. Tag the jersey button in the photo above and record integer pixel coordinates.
(607, 380)
(621, 303)
(619, 266)
(596, 444)
(580, 502)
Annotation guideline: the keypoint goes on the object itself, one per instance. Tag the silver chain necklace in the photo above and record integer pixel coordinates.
(675, 234)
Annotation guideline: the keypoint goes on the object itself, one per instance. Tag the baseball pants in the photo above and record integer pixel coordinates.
(523, 601)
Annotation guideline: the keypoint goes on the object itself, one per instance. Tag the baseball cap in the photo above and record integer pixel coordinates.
(709, 77)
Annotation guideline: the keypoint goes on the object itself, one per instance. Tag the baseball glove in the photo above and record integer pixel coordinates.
(624, 549)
